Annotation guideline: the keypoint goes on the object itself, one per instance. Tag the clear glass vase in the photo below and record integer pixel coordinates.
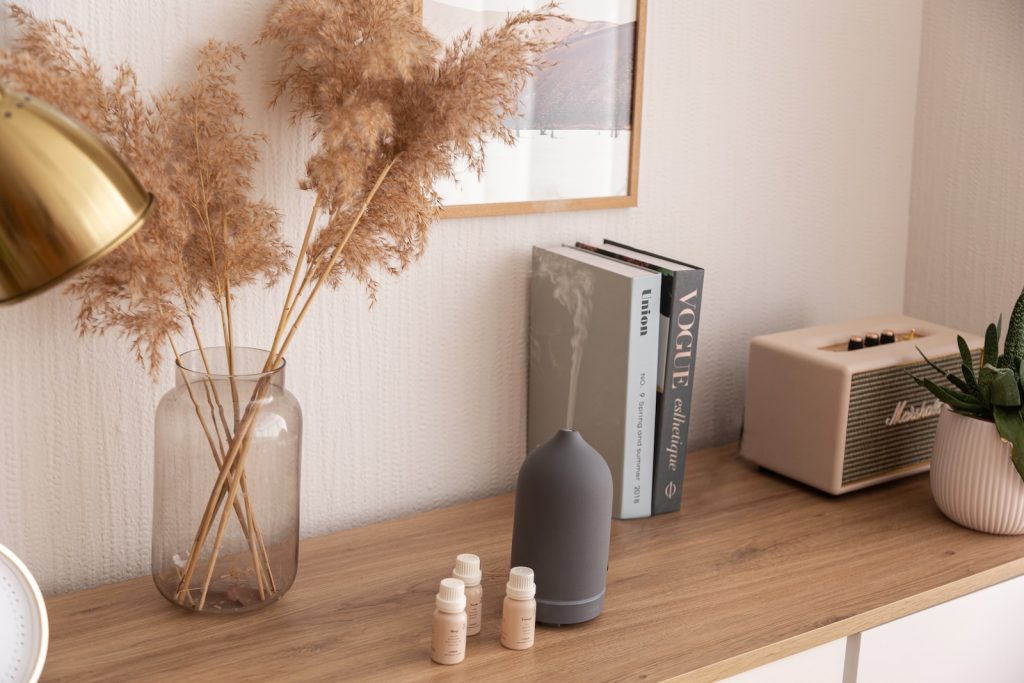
(226, 483)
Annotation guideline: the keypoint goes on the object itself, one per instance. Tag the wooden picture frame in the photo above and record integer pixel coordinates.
(628, 199)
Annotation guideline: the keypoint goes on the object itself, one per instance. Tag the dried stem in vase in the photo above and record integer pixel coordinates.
(392, 111)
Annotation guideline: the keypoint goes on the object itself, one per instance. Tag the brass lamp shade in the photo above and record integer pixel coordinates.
(66, 198)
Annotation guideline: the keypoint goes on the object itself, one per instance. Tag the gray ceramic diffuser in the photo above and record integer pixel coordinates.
(563, 526)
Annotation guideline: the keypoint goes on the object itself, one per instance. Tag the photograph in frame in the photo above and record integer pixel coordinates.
(577, 135)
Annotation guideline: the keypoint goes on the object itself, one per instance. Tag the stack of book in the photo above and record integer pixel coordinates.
(604, 362)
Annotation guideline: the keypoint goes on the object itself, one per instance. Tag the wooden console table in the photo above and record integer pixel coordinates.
(755, 568)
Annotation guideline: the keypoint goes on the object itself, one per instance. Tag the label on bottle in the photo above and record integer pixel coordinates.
(449, 642)
(474, 612)
(524, 632)
(517, 628)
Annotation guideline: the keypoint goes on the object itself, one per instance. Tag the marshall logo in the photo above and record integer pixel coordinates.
(905, 413)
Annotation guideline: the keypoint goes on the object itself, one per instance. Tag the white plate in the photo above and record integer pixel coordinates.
(24, 630)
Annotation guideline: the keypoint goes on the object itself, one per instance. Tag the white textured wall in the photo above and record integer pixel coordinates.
(966, 260)
(777, 148)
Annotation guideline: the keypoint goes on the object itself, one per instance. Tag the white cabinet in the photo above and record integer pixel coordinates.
(822, 664)
(973, 638)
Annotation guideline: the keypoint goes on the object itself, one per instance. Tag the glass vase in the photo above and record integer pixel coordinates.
(226, 483)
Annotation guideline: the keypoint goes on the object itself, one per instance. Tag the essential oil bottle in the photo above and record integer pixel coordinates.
(519, 612)
(467, 569)
(448, 645)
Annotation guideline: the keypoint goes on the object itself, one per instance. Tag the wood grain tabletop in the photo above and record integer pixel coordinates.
(754, 568)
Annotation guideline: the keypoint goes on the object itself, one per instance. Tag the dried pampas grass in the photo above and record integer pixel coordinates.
(205, 236)
(383, 93)
(392, 111)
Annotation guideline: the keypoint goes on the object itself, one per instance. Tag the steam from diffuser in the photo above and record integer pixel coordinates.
(573, 289)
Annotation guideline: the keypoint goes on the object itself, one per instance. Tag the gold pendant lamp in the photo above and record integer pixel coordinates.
(66, 198)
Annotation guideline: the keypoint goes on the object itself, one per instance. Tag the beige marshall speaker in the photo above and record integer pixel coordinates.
(832, 406)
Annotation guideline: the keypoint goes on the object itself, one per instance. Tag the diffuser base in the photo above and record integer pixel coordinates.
(564, 612)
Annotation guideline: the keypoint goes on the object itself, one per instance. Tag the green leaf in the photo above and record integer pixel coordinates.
(1003, 390)
(985, 377)
(953, 379)
(959, 395)
(953, 399)
(972, 383)
(1010, 425)
(966, 357)
(1014, 345)
(998, 386)
(991, 353)
(1020, 375)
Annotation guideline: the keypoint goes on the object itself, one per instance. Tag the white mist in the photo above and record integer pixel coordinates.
(573, 289)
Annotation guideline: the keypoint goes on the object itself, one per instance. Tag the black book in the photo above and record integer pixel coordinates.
(681, 286)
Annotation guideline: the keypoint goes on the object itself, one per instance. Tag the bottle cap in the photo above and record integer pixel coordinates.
(467, 568)
(520, 584)
(451, 597)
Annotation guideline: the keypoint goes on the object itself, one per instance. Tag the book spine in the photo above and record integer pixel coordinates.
(675, 400)
(641, 388)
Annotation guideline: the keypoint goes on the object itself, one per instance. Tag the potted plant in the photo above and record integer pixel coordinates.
(977, 472)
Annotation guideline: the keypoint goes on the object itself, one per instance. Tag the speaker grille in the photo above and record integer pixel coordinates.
(874, 447)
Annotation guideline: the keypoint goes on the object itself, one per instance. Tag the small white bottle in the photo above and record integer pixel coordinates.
(467, 569)
(448, 645)
(519, 612)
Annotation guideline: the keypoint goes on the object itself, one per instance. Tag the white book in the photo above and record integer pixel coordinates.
(609, 312)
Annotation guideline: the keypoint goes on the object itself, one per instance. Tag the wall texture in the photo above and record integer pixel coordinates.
(777, 146)
(966, 259)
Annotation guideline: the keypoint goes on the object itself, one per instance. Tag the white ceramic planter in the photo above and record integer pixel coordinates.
(973, 480)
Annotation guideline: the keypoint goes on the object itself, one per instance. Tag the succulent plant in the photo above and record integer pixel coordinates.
(995, 390)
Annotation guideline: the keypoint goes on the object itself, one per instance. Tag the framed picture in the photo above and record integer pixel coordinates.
(578, 134)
